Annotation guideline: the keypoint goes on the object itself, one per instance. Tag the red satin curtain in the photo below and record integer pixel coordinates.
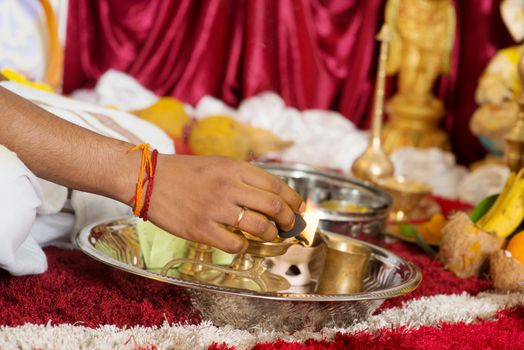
(314, 53)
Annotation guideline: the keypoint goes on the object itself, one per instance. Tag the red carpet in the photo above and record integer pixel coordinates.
(78, 289)
(505, 333)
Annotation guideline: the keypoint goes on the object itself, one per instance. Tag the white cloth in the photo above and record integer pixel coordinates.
(432, 166)
(30, 214)
(118, 89)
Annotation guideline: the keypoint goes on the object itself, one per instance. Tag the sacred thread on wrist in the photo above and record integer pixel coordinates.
(148, 166)
(147, 199)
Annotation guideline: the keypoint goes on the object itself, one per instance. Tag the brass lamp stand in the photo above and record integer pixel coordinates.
(374, 163)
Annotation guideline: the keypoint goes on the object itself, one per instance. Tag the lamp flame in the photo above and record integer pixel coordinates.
(312, 219)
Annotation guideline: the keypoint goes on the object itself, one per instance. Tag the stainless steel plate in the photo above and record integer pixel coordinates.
(317, 186)
(115, 243)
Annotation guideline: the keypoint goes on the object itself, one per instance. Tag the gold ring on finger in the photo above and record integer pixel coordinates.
(240, 216)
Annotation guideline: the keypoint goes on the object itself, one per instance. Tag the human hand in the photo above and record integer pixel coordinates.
(197, 198)
(194, 197)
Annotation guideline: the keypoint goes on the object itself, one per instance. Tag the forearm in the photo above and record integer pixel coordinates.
(64, 153)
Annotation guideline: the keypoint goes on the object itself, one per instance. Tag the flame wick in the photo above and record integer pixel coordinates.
(307, 237)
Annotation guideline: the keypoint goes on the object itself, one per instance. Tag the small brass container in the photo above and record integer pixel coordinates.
(345, 267)
(406, 195)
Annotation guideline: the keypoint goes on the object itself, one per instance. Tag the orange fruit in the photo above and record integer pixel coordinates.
(167, 113)
(219, 135)
(516, 247)
(432, 230)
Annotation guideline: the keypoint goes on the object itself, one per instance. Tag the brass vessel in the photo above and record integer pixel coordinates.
(406, 195)
(353, 257)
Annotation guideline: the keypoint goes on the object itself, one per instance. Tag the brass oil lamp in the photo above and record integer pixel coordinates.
(248, 270)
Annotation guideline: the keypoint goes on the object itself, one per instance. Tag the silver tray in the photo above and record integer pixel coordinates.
(316, 186)
(388, 276)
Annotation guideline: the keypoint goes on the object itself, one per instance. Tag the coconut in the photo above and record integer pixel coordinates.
(465, 247)
(506, 273)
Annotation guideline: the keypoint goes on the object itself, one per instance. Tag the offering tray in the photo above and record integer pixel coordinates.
(345, 205)
(115, 243)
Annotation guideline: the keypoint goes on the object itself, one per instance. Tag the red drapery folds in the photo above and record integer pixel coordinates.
(314, 53)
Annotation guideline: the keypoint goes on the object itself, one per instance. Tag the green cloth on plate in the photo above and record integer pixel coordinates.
(159, 247)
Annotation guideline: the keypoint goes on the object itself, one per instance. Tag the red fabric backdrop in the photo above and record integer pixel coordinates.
(314, 53)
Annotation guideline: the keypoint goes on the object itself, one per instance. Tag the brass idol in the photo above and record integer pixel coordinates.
(422, 33)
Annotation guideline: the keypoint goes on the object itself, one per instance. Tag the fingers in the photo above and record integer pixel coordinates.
(258, 225)
(218, 237)
(266, 203)
(269, 204)
(265, 181)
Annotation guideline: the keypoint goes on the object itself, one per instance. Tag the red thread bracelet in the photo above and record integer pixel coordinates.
(149, 191)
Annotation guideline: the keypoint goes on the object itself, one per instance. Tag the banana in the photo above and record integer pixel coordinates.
(507, 213)
(495, 207)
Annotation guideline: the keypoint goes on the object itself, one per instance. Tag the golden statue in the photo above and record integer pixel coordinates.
(422, 33)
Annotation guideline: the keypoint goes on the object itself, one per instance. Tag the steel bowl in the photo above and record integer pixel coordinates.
(115, 243)
(318, 186)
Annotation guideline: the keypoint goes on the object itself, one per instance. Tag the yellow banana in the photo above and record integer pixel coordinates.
(495, 208)
(509, 213)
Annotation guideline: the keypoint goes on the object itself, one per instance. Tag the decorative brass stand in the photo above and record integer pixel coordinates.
(199, 254)
(247, 271)
(374, 163)
(515, 140)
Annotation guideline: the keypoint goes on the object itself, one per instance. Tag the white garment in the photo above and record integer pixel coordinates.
(30, 214)
(22, 196)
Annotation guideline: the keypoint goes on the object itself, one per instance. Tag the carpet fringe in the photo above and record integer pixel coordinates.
(426, 311)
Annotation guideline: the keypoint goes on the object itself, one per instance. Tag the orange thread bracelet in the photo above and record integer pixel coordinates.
(145, 165)
(145, 208)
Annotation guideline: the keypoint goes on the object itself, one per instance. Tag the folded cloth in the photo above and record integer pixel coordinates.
(31, 212)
